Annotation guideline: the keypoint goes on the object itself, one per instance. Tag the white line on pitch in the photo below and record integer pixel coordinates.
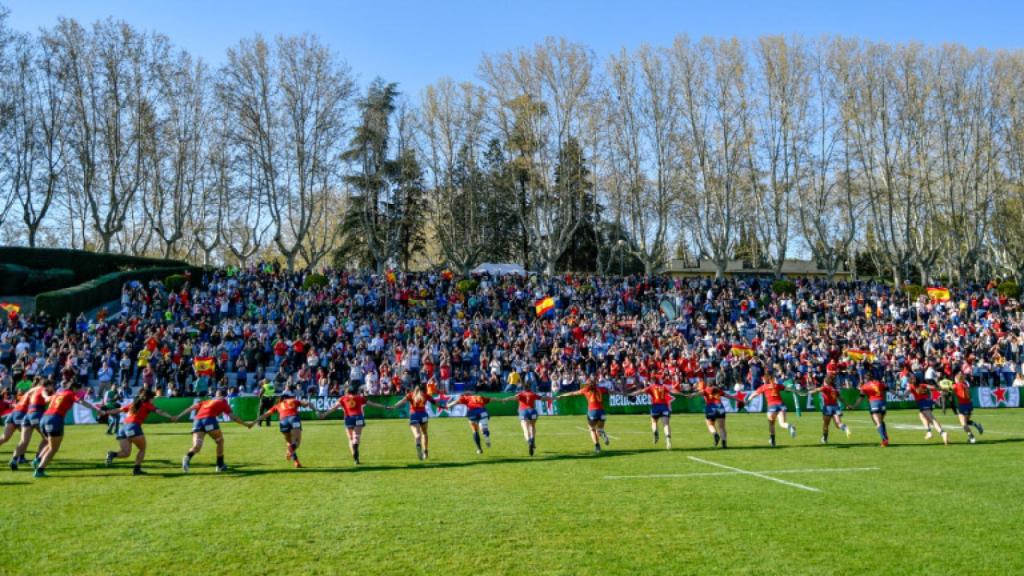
(702, 474)
(609, 435)
(755, 474)
(919, 428)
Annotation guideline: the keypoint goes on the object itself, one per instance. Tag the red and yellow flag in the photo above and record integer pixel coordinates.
(861, 355)
(545, 306)
(938, 294)
(10, 308)
(203, 365)
(741, 351)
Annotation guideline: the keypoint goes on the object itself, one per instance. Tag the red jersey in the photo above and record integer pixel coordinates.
(36, 399)
(139, 416)
(772, 392)
(712, 395)
(919, 392)
(6, 407)
(473, 401)
(418, 406)
(212, 408)
(874, 390)
(829, 395)
(595, 397)
(286, 407)
(351, 404)
(22, 404)
(527, 400)
(963, 392)
(61, 403)
(659, 395)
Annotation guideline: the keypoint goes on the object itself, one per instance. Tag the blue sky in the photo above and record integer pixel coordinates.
(414, 43)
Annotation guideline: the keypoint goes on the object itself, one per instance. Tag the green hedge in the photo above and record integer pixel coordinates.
(96, 292)
(314, 281)
(1008, 289)
(12, 278)
(914, 291)
(784, 287)
(174, 282)
(85, 265)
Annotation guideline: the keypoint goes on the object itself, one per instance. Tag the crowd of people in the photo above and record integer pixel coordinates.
(287, 335)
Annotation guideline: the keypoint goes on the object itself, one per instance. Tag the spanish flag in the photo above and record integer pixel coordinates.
(545, 306)
(11, 309)
(203, 365)
(741, 351)
(938, 294)
(390, 275)
(861, 355)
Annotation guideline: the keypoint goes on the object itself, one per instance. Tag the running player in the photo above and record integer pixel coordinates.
(130, 431)
(831, 407)
(287, 409)
(875, 391)
(37, 397)
(14, 417)
(205, 422)
(661, 409)
(964, 407)
(922, 394)
(595, 396)
(476, 413)
(714, 410)
(772, 392)
(51, 425)
(352, 404)
(418, 418)
(527, 415)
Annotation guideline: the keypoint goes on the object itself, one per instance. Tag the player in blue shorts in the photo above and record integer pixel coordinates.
(714, 411)
(661, 409)
(921, 392)
(13, 417)
(418, 418)
(287, 409)
(965, 407)
(527, 415)
(352, 404)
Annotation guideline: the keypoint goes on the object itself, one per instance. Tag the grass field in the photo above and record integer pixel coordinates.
(849, 508)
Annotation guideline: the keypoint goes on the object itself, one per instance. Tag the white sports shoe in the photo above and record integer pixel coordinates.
(184, 464)
(792, 431)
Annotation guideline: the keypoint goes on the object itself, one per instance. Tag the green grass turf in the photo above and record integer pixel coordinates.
(926, 509)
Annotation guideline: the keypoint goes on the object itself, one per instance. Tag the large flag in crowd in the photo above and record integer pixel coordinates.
(545, 307)
(938, 294)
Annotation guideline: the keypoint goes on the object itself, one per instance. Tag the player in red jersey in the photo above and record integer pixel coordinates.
(51, 426)
(476, 413)
(714, 410)
(352, 404)
(205, 422)
(772, 392)
(922, 394)
(35, 401)
(287, 410)
(418, 418)
(831, 407)
(661, 409)
(13, 414)
(965, 407)
(595, 396)
(130, 432)
(527, 415)
(875, 392)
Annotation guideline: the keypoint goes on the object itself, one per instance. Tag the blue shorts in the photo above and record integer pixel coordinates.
(772, 408)
(355, 421)
(14, 418)
(129, 431)
(52, 425)
(831, 410)
(926, 404)
(528, 414)
(595, 415)
(419, 418)
(714, 411)
(477, 414)
(31, 419)
(205, 425)
(289, 423)
(660, 411)
(965, 408)
(877, 406)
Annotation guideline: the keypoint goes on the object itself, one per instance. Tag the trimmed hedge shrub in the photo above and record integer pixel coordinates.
(1008, 289)
(39, 281)
(782, 287)
(12, 278)
(914, 291)
(314, 281)
(85, 265)
(174, 282)
(96, 292)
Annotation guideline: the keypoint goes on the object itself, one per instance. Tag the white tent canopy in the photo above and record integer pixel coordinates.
(499, 269)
